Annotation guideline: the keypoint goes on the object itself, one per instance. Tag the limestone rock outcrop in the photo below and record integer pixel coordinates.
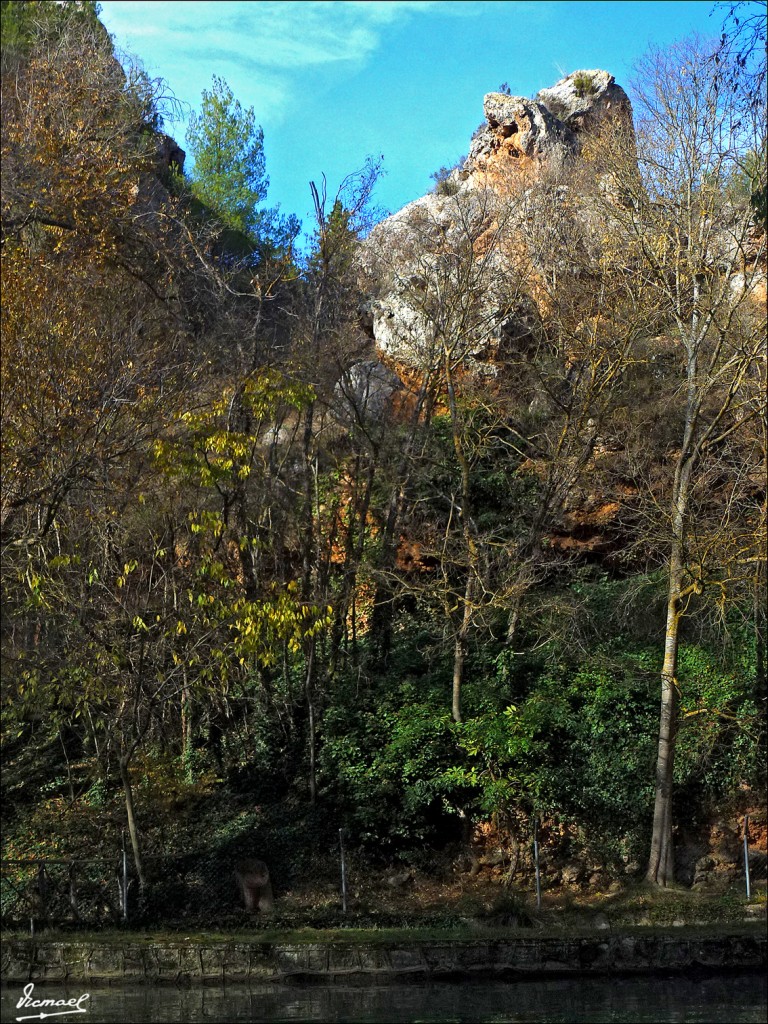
(465, 237)
(365, 391)
(551, 126)
(517, 127)
(585, 98)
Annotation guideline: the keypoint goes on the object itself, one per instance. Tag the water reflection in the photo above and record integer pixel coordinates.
(741, 997)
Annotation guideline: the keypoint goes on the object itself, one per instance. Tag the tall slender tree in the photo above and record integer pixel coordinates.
(229, 173)
(695, 256)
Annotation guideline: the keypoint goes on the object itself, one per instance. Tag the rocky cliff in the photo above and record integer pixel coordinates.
(464, 259)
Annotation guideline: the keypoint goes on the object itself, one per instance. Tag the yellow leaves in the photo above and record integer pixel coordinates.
(258, 630)
(211, 449)
(128, 568)
(63, 561)
(660, 247)
(205, 522)
(36, 594)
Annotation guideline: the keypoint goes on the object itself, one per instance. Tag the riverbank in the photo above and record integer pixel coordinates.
(147, 959)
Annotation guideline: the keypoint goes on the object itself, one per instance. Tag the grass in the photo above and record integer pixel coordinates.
(474, 916)
(639, 907)
(277, 936)
(370, 937)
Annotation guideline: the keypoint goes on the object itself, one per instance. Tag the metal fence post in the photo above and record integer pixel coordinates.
(73, 890)
(536, 861)
(42, 888)
(343, 872)
(746, 854)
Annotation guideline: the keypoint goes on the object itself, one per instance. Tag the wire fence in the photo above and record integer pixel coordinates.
(78, 892)
(202, 887)
(198, 888)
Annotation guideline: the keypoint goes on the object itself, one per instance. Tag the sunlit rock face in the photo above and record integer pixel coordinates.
(445, 264)
(550, 127)
(586, 98)
(517, 128)
(417, 262)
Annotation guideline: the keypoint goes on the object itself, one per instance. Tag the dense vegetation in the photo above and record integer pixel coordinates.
(241, 596)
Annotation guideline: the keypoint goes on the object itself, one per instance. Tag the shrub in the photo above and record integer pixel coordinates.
(584, 84)
(446, 183)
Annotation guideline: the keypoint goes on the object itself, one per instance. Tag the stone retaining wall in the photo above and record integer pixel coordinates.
(184, 962)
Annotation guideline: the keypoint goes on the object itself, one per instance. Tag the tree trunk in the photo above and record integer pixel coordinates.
(759, 616)
(133, 831)
(309, 690)
(467, 529)
(460, 648)
(458, 673)
(661, 861)
(186, 728)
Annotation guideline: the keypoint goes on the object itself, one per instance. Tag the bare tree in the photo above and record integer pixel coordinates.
(695, 255)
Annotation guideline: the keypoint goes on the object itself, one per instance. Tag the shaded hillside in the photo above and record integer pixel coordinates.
(406, 538)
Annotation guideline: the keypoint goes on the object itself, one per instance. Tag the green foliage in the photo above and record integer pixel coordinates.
(335, 243)
(96, 795)
(228, 151)
(721, 743)
(579, 739)
(24, 21)
(575, 739)
(755, 173)
(583, 84)
(387, 764)
(229, 174)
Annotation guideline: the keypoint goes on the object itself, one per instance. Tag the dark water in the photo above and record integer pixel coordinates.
(710, 999)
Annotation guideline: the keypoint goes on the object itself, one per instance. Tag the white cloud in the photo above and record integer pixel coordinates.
(287, 35)
(261, 48)
(269, 51)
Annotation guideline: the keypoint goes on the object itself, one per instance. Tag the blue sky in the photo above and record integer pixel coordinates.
(334, 81)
